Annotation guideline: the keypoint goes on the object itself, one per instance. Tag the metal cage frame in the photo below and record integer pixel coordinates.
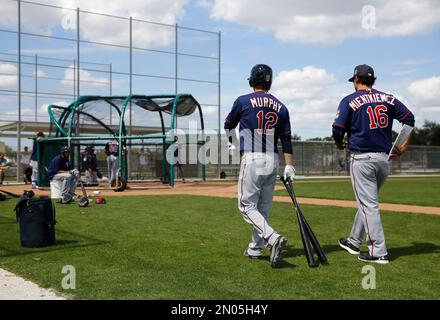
(73, 110)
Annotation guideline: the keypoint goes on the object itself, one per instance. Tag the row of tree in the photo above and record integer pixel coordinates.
(427, 135)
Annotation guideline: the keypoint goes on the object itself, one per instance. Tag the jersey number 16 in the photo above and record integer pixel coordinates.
(378, 116)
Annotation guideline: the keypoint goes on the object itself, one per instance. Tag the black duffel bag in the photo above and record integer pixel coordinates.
(36, 217)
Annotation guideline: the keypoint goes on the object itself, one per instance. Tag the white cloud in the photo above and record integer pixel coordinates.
(301, 84)
(39, 73)
(8, 76)
(44, 20)
(85, 77)
(323, 21)
(312, 96)
(43, 108)
(425, 91)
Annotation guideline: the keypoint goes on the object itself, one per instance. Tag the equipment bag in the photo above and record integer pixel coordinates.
(36, 218)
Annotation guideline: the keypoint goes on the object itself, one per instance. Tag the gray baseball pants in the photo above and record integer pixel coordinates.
(112, 166)
(68, 183)
(256, 185)
(368, 173)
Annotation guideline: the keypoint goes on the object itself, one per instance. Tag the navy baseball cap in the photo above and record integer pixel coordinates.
(362, 70)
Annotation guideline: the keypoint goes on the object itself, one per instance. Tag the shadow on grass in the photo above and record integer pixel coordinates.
(299, 251)
(284, 263)
(415, 249)
(76, 241)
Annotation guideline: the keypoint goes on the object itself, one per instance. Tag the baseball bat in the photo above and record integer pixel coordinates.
(84, 201)
(315, 243)
(302, 228)
(10, 194)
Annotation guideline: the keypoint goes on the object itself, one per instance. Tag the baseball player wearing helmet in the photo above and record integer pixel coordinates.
(61, 169)
(263, 121)
(367, 117)
(90, 167)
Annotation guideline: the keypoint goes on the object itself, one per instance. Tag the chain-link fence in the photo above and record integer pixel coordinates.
(322, 158)
(51, 54)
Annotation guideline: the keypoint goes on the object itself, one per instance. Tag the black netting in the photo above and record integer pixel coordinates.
(185, 106)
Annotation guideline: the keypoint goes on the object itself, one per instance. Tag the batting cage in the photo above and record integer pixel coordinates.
(136, 141)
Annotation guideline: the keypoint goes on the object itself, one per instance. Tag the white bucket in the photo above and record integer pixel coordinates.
(55, 189)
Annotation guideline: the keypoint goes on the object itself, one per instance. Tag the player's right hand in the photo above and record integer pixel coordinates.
(289, 172)
(74, 172)
(341, 145)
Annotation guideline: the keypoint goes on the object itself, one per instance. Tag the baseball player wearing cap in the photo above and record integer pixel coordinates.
(61, 169)
(263, 121)
(34, 160)
(367, 117)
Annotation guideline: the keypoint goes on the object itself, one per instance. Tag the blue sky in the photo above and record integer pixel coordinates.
(312, 47)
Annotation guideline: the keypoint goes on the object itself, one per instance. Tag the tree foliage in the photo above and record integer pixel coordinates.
(428, 134)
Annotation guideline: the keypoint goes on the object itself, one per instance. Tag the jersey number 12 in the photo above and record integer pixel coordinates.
(271, 121)
(378, 116)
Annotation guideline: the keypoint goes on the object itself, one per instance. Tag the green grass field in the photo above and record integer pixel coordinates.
(182, 247)
(411, 191)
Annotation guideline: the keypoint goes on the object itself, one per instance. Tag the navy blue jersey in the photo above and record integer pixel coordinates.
(89, 162)
(367, 116)
(263, 121)
(34, 151)
(56, 164)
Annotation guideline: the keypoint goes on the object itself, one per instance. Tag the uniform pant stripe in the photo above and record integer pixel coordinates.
(361, 205)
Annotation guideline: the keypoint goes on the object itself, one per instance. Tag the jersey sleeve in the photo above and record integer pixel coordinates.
(343, 116)
(403, 114)
(233, 117)
(285, 134)
(53, 168)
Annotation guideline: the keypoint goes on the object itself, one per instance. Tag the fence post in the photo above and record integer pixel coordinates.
(19, 94)
(77, 54)
(111, 91)
(36, 88)
(74, 79)
(131, 92)
(219, 139)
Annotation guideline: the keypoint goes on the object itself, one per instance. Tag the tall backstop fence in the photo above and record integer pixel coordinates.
(51, 54)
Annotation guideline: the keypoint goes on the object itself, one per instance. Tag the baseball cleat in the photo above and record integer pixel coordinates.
(346, 245)
(246, 254)
(276, 252)
(367, 258)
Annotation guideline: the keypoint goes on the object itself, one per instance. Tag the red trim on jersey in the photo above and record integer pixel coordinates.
(337, 125)
(405, 116)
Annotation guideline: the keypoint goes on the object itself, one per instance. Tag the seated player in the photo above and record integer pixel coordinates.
(89, 164)
(4, 164)
(60, 169)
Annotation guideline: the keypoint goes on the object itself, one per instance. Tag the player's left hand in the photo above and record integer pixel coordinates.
(289, 172)
(397, 152)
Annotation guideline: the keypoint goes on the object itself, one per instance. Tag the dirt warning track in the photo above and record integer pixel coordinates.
(229, 190)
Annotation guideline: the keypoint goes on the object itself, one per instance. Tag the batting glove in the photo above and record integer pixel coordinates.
(74, 172)
(289, 172)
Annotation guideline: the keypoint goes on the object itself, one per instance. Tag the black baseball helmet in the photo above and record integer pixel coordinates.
(64, 149)
(260, 74)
